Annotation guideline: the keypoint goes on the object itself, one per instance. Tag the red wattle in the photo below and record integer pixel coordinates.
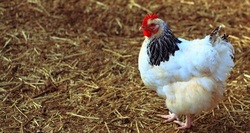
(147, 33)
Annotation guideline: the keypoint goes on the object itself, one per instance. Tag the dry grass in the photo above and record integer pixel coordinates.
(72, 66)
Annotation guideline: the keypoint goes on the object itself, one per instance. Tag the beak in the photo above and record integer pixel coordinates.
(141, 28)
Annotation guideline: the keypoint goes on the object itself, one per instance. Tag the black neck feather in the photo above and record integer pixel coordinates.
(161, 48)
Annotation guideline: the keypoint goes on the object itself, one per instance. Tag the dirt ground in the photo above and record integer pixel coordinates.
(71, 66)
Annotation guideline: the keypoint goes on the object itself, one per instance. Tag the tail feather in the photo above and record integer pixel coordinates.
(216, 39)
(214, 35)
(225, 37)
(225, 51)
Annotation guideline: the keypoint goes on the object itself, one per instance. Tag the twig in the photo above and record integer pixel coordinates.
(20, 111)
(81, 116)
(106, 125)
(116, 54)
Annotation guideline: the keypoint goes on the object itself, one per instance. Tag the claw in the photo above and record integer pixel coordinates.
(173, 117)
(185, 125)
(169, 118)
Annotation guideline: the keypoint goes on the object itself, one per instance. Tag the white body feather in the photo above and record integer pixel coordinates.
(193, 80)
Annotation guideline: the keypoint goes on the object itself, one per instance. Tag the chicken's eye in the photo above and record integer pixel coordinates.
(152, 25)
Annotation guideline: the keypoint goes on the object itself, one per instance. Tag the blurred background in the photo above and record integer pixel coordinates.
(71, 66)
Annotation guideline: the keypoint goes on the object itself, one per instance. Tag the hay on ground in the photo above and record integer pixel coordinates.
(72, 66)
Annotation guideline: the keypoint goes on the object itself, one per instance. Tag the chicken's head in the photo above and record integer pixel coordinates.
(152, 25)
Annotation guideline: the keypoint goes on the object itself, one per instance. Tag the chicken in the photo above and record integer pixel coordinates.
(190, 75)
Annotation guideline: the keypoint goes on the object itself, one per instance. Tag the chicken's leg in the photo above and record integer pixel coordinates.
(185, 125)
(170, 117)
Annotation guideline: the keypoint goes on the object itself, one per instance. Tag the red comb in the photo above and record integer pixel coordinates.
(149, 16)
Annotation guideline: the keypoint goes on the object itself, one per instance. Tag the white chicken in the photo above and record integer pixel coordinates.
(190, 75)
